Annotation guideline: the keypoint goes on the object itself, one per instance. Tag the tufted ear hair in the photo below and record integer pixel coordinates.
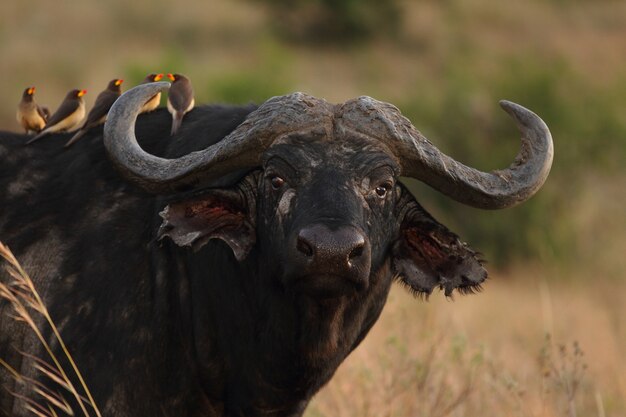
(427, 255)
(226, 214)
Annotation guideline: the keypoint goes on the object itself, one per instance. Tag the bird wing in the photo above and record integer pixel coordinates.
(181, 95)
(67, 108)
(43, 112)
(101, 107)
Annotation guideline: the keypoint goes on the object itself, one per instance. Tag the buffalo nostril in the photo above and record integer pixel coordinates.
(357, 251)
(304, 247)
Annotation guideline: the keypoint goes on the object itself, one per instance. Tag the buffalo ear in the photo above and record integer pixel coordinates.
(226, 214)
(428, 255)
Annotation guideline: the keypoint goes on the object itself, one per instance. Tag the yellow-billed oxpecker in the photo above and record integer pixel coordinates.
(179, 100)
(31, 116)
(98, 114)
(154, 101)
(68, 115)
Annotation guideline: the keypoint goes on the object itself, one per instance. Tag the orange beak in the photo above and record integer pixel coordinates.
(158, 77)
(119, 82)
(171, 77)
(31, 91)
(82, 93)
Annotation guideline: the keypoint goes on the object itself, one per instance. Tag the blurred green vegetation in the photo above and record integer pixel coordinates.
(266, 80)
(332, 21)
(589, 130)
(445, 66)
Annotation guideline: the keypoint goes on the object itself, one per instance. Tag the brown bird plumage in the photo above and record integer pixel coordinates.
(98, 114)
(155, 100)
(180, 99)
(31, 116)
(68, 115)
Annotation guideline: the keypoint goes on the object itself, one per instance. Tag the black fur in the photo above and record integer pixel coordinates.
(163, 330)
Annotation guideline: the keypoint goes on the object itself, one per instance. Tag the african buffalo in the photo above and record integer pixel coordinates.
(234, 272)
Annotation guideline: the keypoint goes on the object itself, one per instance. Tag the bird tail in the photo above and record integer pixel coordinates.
(79, 134)
(38, 136)
(177, 120)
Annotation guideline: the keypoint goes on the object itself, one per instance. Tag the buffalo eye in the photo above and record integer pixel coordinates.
(381, 190)
(277, 182)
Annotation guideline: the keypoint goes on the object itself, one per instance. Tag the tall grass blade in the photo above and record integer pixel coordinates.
(24, 298)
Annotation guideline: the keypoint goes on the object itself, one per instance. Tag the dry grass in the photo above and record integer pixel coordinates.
(488, 355)
(27, 305)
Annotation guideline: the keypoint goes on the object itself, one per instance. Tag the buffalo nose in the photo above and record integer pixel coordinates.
(340, 249)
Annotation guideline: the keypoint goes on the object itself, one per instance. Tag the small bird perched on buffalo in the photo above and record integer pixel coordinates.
(179, 100)
(154, 101)
(98, 114)
(68, 115)
(30, 115)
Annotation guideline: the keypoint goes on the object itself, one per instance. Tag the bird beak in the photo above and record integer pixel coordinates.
(82, 93)
(31, 91)
(119, 82)
(158, 77)
(171, 77)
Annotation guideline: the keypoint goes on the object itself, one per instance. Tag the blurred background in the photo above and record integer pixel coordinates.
(547, 336)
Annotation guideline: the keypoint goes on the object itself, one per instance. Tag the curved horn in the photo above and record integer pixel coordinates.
(241, 149)
(420, 159)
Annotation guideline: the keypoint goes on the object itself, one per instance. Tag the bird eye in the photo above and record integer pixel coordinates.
(277, 182)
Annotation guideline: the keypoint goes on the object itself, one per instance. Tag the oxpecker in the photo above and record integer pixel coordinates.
(68, 115)
(179, 100)
(98, 114)
(154, 101)
(29, 115)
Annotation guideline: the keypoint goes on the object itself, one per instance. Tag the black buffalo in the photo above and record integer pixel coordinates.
(234, 272)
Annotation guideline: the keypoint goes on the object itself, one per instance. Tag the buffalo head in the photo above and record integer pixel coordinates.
(314, 186)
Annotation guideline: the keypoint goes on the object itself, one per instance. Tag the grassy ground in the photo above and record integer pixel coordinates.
(488, 354)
